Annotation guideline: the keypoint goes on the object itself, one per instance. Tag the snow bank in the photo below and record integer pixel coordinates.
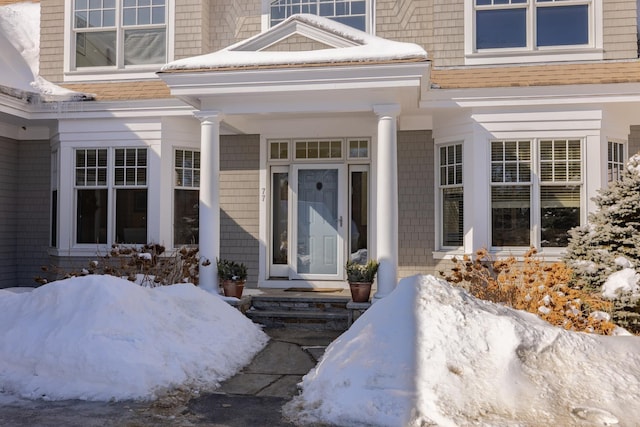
(430, 354)
(103, 338)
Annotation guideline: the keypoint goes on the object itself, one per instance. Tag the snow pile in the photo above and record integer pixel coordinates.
(430, 354)
(366, 48)
(622, 283)
(20, 54)
(102, 338)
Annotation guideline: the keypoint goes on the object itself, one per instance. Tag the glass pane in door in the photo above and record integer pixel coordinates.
(318, 239)
(280, 217)
(359, 227)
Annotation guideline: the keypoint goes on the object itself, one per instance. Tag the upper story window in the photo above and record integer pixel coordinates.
(504, 29)
(349, 12)
(119, 33)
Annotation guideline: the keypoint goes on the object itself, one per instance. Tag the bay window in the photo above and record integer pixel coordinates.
(451, 200)
(510, 193)
(111, 195)
(119, 33)
(535, 199)
(186, 197)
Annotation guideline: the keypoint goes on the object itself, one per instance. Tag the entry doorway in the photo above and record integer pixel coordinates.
(319, 219)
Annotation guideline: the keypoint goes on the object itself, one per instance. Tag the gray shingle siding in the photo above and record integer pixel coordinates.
(239, 201)
(415, 203)
(34, 177)
(8, 212)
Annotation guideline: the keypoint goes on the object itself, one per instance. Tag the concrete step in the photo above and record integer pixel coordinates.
(303, 319)
(302, 304)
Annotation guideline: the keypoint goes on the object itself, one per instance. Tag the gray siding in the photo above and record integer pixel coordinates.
(8, 212)
(416, 234)
(34, 206)
(239, 201)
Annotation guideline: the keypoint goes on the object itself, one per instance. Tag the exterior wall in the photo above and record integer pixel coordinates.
(436, 25)
(239, 201)
(192, 28)
(8, 212)
(34, 205)
(620, 29)
(233, 20)
(52, 40)
(415, 203)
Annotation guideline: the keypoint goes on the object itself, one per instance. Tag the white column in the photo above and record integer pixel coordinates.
(209, 231)
(387, 199)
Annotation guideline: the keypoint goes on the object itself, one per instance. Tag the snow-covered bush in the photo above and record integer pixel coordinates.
(148, 265)
(534, 286)
(611, 243)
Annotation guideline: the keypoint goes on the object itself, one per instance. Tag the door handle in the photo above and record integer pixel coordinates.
(340, 220)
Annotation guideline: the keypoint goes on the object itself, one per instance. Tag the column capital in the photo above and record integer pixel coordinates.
(209, 116)
(388, 110)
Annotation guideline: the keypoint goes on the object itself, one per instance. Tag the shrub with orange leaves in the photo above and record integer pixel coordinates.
(534, 286)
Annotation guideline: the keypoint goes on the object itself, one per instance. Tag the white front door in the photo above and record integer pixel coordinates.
(318, 226)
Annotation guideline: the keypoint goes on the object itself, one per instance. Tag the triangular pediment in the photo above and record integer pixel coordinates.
(301, 41)
(296, 43)
(298, 33)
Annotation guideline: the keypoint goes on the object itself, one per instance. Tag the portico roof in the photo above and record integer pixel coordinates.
(339, 69)
(343, 45)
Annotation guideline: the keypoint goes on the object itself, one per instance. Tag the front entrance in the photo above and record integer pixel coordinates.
(319, 217)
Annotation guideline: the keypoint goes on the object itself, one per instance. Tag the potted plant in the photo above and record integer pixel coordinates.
(233, 276)
(360, 278)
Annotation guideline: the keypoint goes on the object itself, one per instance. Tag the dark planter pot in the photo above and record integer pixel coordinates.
(233, 288)
(360, 291)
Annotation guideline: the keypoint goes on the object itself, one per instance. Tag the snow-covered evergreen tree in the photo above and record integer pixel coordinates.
(611, 240)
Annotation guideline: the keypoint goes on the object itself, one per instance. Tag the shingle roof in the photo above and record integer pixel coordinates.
(537, 75)
(127, 90)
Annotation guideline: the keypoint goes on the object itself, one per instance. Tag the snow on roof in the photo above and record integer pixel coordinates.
(365, 48)
(20, 56)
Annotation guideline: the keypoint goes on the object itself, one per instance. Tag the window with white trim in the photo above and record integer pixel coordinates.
(531, 24)
(111, 183)
(615, 160)
(186, 197)
(451, 195)
(349, 12)
(118, 33)
(521, 203)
